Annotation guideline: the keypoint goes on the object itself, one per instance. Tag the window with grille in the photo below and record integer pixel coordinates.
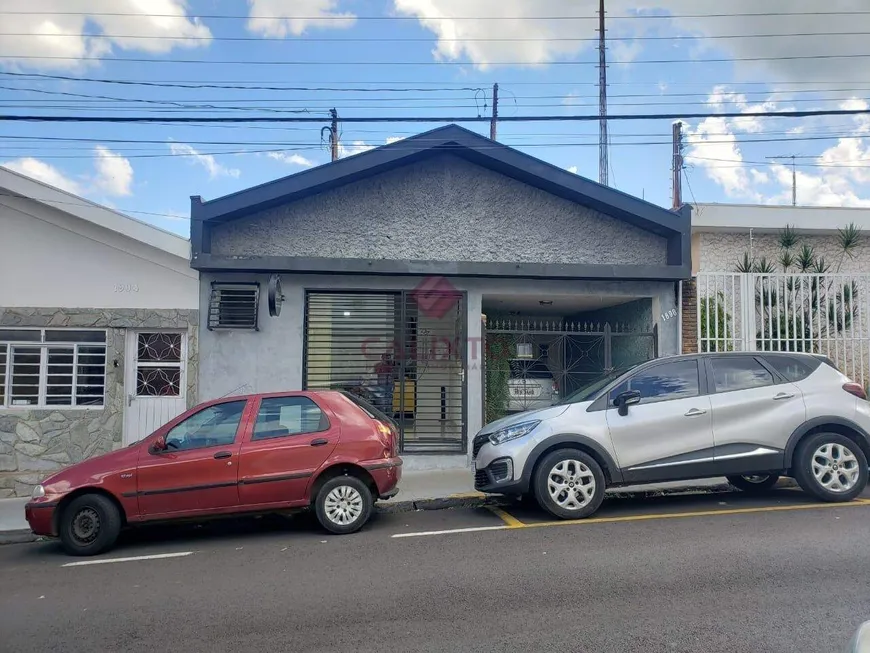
(52, 368)
(159, 364)
(234, 306)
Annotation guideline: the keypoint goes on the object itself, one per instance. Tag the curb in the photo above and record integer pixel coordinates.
(22, 536)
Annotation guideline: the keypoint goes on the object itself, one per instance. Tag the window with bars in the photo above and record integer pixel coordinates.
(52, 368)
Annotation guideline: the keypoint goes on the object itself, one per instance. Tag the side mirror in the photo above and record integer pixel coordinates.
(861, 640)
(625, 399)
(158, 445)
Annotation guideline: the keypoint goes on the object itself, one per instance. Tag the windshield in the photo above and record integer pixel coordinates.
(594, 386)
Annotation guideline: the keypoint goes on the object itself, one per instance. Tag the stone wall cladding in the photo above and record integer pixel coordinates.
(34, 443)
(720, 252)
(444, 209)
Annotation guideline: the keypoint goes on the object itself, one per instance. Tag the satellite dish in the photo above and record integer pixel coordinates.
(276, 296)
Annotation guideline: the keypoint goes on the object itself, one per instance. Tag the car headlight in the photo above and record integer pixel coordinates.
(513, 432)
(38, 492)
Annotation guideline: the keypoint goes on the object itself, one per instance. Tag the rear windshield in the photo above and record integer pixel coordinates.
(367, 408)
(795, 368)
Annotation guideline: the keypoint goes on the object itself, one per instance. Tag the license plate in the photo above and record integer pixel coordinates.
(524, 392)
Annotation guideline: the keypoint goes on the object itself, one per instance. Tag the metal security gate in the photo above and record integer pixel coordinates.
(814, 313)
(533, 364)
(404, 352)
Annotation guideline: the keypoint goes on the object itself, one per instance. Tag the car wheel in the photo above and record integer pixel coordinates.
(754, 483)
(90, 524)
(830, 467)
(343, 505)
(569, 484)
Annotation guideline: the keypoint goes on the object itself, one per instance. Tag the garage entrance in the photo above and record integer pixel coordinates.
(406, 357)
(533, 363)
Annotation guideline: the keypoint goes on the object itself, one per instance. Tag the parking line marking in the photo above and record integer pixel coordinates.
(508, 519)
(452, 530)
(105, 561)
(631, 518)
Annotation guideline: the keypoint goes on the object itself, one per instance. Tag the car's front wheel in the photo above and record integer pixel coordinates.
(569, 484)
(89, 524)
(754, 484)
(343, 504)
(831, 467)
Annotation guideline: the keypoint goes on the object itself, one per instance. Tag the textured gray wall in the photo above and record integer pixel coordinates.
(443, 209)
(35, 442)
(271, 359)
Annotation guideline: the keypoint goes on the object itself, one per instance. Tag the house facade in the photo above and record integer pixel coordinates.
(447, 278)
(98, 330)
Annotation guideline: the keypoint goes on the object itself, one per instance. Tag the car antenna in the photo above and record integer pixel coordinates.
(235, 391)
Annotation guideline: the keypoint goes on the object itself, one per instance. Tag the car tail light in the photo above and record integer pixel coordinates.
(855, 389)
(388, 433)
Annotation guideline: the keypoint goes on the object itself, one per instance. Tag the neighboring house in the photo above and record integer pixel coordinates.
(401, 269)
(98, 330)
(775, 308)
(723, 233)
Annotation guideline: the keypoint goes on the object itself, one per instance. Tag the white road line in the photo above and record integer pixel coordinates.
(452, 530)
(105, 561)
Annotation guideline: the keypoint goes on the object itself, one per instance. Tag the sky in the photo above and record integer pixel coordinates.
(440, 59)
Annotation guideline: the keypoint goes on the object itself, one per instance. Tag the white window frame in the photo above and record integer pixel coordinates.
(43, 347)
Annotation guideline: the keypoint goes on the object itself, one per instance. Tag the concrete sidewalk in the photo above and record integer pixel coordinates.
(419, 490)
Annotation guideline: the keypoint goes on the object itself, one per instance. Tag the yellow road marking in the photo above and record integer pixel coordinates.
(701, 513)
(510, 520)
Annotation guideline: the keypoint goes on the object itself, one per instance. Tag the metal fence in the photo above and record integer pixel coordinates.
(815, 313)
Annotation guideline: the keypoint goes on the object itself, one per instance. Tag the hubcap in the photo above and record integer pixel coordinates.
(835, 467)
(571, 484)
(86, 525)
(343, 505)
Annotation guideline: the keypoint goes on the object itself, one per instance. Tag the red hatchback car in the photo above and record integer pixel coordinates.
(259, 453)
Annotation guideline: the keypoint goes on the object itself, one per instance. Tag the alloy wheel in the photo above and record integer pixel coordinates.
(835, 467)
(343, 505)
(756, 478)
(571, 484)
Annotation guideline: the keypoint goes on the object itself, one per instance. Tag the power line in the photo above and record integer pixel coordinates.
(272, 62)
(310, 39)
(445, 119)
(346, 17)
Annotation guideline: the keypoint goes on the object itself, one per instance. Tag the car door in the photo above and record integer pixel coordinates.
(668, 435)
(291, 439)
(198, 471)
(755, 410)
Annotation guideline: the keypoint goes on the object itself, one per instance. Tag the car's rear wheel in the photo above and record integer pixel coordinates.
(343, 504)
(754, 483)
(569, 484)
(830, 467)
(89, 524)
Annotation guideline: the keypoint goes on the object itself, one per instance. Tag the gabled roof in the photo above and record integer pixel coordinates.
(13, 183)
(457, 141)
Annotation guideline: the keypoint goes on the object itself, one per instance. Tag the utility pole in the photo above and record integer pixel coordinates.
(493, 124)
(793, 175)
(333, 134)
(677, 166)
(603, 140)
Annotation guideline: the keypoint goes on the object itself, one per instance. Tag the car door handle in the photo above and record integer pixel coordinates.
(783, 395)
(695, 412)
(223, 454)
(319, 442)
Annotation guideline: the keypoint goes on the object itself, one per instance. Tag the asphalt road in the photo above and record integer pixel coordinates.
(701, 573)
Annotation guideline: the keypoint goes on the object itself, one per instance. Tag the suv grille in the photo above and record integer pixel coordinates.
(480, 478)
(478, 443)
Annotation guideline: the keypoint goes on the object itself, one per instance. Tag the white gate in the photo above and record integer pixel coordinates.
(815, 313)
(155, 381)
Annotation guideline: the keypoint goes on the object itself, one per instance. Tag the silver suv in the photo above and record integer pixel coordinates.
(752, 417)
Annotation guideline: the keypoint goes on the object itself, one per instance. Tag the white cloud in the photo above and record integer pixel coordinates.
(549, 40)
(114, 172)
(296, 16)
(60, 34)
(207, 161)
(713, 146)
(355, 147)
(291, 159)
(44, 172)
(394, 139)
(574, 170)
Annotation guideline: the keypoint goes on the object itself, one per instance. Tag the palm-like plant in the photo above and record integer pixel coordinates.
(803, 306)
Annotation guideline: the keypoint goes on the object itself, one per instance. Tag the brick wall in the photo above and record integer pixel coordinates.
(690, 317)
